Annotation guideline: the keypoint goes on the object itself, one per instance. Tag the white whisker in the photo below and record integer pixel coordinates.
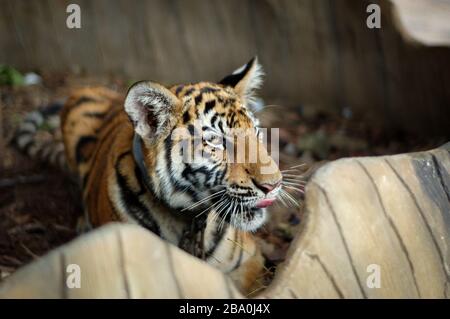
(282, 200)
(292, 183)
(226, 214)
(290, 170)
(290, 198)
(203, 200)
(215, 206)
(294, 180)
(296, 189)
(299, 165)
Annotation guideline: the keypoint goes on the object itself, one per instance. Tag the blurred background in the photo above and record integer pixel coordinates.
(333, 86)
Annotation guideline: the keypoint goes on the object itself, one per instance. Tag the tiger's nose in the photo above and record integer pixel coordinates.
(266, 187)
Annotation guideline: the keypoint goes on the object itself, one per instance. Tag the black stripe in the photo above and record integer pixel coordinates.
(208, 89)
(214, 172)
(219, 177)
(82, 142)
(228, 102)
(189, 92)
(198, 99)
(131, 201)
(191, 129)
(140, 181)
(84, 99)
(221, 127)
(98, 115)
(233, 79)
(186, 117)
(179, 89)
(214, 120)
(209, 106)
(191, 174)
(175, 183)
(233, 115)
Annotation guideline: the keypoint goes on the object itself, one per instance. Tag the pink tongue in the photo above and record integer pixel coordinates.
(264, 203)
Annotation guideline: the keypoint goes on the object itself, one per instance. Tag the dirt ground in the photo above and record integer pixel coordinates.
(39, 206)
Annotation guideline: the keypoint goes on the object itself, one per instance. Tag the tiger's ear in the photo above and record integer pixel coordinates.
(246, 79)
(152, 109)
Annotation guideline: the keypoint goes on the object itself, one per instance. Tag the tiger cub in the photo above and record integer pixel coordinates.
(135, 157)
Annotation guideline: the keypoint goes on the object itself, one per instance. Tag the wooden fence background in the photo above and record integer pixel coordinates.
(315, 52)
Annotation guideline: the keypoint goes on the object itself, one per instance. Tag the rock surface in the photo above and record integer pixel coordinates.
(389, 213)
(385, 218)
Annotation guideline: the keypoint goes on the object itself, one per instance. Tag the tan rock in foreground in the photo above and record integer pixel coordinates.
(386, 216)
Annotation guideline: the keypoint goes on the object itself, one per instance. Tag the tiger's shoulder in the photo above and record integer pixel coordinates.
(96, 135)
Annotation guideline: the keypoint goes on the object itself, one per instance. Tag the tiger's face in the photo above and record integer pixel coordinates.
(205, 153)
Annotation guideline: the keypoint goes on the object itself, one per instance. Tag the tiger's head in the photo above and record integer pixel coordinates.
(202, 147)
